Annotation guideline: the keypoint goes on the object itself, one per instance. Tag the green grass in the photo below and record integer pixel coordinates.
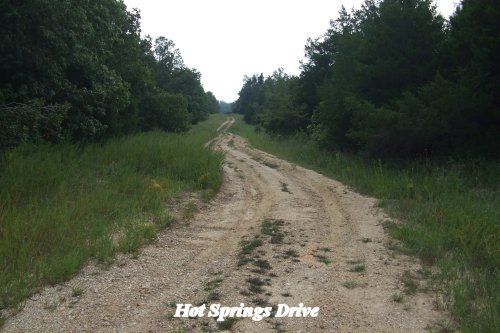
(227, 324)
(450, 210)
(272, 227)
(247, 247)
(323, 259)
(351, 284)
(61, 205)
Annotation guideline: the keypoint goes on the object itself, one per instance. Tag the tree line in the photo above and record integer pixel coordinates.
(393, 78)
(79, 70)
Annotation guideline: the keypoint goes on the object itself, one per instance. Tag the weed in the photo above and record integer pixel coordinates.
(247, 247)
(397, 297)
(172, 304)
(189, 211)
(278, 327)
(441, 326)
(410, 285)
(242, 260)
(227, 324)
(77, 291)
(244, 293)
(262, 264)
(213, 284)
(284, 188)
(358, 268)
(291, 253)
(260, 302)
(272, 227)
(213, 295)
(256, 289)
(256, 281)
(351, 284)
(322, 259)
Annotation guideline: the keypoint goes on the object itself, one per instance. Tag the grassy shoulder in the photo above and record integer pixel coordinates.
(61, 205)
(451, 216)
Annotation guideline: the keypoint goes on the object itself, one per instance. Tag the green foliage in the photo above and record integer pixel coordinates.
(450, 210)
(89, 56)
(165, 111)
(24, 123)
(269, 102)
(378, 53)
(63, 204)
(392, 80)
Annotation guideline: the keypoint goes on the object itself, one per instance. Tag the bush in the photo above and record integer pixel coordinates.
(165, 111)
(22, 123)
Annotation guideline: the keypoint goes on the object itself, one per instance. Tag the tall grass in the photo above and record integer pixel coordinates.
(451, 215)
(62, 204)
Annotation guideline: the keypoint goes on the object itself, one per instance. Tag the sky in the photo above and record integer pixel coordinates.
(228, 39)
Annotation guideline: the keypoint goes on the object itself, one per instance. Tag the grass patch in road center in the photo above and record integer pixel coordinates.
(272, 227)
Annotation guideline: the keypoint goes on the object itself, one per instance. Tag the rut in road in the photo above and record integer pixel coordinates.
(276, 233)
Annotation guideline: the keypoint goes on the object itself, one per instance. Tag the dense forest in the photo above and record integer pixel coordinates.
(80, 71)
(393, 78)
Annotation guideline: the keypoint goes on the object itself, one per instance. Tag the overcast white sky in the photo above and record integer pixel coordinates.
(227, 39)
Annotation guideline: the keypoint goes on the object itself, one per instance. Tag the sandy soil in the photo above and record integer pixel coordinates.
(329, 249)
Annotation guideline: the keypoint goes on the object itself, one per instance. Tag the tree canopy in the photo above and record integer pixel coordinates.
(82, 67)
(392, 78)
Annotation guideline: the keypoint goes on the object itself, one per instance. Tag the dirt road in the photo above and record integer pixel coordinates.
(276, 233)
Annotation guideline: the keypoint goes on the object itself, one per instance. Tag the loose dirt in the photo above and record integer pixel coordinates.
(315, 242)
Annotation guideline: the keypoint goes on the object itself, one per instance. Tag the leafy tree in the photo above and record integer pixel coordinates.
(89, 56)
(379, 52)
(270, 103)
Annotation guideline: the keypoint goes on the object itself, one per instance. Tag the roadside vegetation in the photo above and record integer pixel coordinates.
(402, 104)
(80, 71)
(449, 211)
(392, 79)
(61, 205)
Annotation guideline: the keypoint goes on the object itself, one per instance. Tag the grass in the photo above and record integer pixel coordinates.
(247, 247)
(77, 291)
(397, 297)
(189, 211)
(213, 284)
(323, 259)
(61, 205)
(262, 264)
(291, 253)
(409, 283)
(450, 211)
(351, 284)
(358, 268)
(272, 227)
(227, 324)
